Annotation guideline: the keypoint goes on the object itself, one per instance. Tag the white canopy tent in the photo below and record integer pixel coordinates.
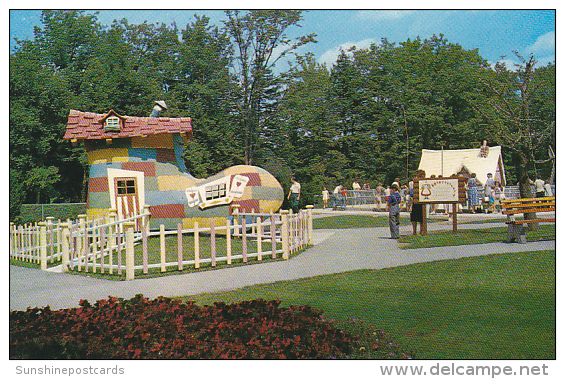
(451, 162)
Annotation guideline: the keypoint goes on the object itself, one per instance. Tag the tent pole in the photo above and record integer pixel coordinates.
(442, 160)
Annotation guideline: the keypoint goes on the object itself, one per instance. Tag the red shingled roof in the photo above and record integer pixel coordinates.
(87, 125)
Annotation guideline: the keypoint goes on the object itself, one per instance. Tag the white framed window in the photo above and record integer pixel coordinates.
(112, 124)
(126, 186)
(210, 194)
(216, 191)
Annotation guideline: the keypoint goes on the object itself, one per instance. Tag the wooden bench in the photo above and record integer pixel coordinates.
(513, 207)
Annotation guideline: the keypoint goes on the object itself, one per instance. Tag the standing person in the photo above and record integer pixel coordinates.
(417, 211)
(403, 195)
(387, 193)
(473, 192)
(344, 196)
(337, 196)
(379, 195)
(498, 196)
(539, 185)
(489, 192)
(294, 195)
(548, 190)
(393, 205)
(325, 197)
(356, 195)
(410, 196)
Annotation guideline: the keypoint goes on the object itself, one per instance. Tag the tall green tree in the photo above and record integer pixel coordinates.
(391, 101)
(206, 90)
(354, 116)
(43, 81)
(303, 138)
(367, 118)
(543, 106)
(72, 62)
(260, 40)
(516, 108)
(127, 69)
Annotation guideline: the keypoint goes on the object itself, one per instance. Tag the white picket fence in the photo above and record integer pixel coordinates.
(107, 246)
(73, 243)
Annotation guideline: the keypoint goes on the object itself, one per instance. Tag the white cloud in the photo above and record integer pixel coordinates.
(544, 61)
(382, 15)
(330, 56)
(544, 45)
(543, 50)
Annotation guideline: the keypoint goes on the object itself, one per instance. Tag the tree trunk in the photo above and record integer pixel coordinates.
(521, 165)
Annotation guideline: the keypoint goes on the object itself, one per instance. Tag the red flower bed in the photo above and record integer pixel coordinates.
(170, 329)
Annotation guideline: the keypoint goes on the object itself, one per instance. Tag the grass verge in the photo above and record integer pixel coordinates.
(20, 263)
(472, 236)
(490, 307)
(358, 221)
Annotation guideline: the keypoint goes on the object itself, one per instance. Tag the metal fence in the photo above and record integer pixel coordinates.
(370, 199)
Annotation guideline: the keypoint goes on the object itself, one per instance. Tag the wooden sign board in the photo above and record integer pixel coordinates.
(439, 190)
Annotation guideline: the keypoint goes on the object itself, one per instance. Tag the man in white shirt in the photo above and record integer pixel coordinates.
(356, 187)
(294, 195)
(539, 185)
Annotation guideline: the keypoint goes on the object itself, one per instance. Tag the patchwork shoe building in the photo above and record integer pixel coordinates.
(138, 161)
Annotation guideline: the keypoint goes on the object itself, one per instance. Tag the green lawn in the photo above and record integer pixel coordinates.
(491, 307)
(356, 221)
(472, 236)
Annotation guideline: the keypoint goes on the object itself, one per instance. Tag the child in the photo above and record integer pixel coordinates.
(325, 197)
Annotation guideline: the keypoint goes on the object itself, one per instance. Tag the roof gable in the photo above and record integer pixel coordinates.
(111, 113)
(87, 125)
(455, 160)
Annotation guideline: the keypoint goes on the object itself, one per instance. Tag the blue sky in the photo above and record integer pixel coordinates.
(495, 33)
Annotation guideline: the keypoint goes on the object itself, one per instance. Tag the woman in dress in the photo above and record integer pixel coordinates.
(473, 192)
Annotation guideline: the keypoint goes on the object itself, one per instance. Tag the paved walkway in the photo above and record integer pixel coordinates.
(333, 251)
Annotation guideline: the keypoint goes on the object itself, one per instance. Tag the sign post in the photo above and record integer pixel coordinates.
(439, 191)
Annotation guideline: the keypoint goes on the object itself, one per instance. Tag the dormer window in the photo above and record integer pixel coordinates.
(112, 124)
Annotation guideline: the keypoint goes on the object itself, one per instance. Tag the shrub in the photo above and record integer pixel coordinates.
(164, 328)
